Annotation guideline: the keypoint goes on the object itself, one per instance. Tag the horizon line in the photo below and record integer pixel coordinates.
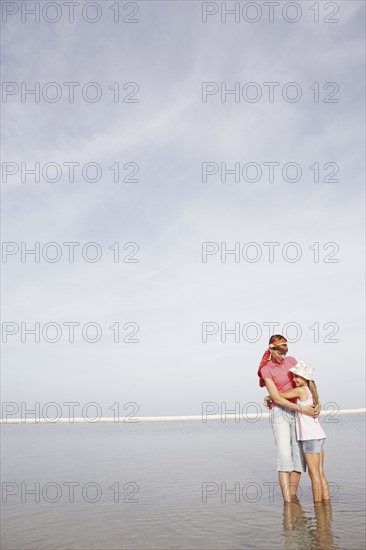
(134, 420)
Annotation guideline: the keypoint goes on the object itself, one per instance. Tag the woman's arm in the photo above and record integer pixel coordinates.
(295, 392)
(301, 393)
(282, 401)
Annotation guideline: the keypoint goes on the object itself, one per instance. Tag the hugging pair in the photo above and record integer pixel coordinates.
(294, 403)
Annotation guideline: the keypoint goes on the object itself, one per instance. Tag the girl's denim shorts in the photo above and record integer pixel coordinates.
(313, 446)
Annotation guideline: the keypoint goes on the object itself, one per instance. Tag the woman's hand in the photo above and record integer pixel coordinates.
(267, 402)
(310, 411)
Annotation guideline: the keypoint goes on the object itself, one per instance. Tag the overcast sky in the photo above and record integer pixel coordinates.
(169, 212)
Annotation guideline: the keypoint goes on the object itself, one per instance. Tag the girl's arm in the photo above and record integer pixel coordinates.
(282, 401)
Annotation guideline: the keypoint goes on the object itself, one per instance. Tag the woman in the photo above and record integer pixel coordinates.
(274, 373)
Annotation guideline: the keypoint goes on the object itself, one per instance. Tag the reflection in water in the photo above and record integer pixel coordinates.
(323, 515)
(308, 531)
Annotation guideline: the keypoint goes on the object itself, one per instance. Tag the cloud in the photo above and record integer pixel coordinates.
(170, 212)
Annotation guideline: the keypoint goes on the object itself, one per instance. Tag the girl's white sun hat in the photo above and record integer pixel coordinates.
(305, 370)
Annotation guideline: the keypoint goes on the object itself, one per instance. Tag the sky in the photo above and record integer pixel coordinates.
(160, 271)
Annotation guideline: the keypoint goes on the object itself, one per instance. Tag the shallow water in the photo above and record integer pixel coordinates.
(174, 485)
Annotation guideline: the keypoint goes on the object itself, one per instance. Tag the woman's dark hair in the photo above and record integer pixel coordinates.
(276, 337)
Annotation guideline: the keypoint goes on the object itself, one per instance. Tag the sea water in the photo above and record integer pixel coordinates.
(174, 485)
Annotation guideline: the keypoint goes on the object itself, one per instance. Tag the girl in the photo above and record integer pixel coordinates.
(308, 430)
(274, 373)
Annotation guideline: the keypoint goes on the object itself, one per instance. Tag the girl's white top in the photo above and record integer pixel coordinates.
(308, 427)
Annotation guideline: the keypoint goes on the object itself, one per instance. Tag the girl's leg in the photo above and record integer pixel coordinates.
(324, 481)
(313, 463)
